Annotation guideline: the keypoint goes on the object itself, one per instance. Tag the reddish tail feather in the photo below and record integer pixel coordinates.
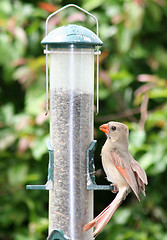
(103, 218)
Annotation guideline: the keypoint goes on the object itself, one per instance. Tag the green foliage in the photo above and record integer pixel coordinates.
(133, 89)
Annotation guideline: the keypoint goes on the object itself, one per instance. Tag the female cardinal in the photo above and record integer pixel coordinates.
(121, 169)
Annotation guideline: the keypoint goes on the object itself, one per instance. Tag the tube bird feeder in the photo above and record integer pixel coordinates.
(71, 50)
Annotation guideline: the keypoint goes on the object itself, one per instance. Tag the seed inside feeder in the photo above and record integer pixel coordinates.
(71, 129)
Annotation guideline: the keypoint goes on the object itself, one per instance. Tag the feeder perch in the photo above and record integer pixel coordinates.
(91, 184)
(49, 183)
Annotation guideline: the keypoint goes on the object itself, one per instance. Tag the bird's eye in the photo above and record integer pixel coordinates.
(113, 128)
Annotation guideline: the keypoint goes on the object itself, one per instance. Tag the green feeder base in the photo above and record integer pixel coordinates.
(57, 235)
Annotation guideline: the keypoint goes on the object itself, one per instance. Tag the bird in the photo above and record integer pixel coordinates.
(122, 170)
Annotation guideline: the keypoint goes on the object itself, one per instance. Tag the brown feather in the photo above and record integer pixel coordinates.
(126, 172)
(140, 172)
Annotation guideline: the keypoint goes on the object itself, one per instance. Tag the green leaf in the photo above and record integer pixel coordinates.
(103, 93)
(158, 93)
(7, 114)
(137, 138)
(160, 55)
(155, 159)
(39, 147)
(35, 99)
(89, 5)
(122, 216)
(120, 79)
(8, 139)
(17, 174)
(125, 37)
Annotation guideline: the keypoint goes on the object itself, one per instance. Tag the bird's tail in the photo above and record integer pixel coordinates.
(103, 218)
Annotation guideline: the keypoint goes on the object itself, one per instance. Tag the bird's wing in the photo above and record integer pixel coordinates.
(124, 168)
(140, 174)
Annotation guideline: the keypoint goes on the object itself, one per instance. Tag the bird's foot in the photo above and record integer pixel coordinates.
(115, 188)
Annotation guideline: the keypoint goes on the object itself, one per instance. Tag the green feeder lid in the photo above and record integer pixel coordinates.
(72, 34)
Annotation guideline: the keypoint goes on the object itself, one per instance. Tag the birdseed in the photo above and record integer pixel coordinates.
(71, 131)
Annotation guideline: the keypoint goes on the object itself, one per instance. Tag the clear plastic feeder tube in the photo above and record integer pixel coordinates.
(71, 132)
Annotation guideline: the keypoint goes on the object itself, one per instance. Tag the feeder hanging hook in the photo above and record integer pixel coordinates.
(97, 53)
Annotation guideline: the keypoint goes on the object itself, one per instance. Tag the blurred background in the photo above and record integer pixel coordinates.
(133, 90)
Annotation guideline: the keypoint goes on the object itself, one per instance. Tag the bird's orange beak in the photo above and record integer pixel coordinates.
(104, 128)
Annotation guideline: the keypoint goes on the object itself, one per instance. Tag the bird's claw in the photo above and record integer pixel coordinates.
(115, 188)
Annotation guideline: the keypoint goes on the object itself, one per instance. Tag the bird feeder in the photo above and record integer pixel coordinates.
(71, 50)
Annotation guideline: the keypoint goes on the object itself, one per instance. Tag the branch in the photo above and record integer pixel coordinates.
(127, 113)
